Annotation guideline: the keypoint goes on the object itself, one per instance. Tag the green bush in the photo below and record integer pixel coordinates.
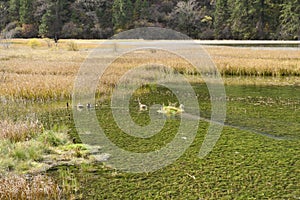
(30, 150)
(52, 139)
(34, 43)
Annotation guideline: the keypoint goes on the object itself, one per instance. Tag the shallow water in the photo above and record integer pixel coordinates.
(273, 111)
(270, 112)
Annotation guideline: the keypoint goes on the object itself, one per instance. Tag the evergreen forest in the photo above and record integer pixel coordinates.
(199, 19)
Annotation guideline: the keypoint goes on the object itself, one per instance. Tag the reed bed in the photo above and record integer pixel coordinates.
(37, 87)
(38, 74)
(237, 61)
(22, 187)
(43, 73)
(19, 131)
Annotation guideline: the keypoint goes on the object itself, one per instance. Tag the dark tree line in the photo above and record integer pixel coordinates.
(200, 19)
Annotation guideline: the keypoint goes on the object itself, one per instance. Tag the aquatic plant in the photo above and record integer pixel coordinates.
(69, 183)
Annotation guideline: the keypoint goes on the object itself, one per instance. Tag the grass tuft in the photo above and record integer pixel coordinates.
(72, 46)
(34, 43)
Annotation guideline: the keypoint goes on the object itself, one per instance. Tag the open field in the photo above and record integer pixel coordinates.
(256, 157)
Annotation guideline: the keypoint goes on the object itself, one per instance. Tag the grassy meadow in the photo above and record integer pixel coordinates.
(43, 72)
(256, 157)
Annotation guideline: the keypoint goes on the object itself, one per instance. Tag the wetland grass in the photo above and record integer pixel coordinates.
(274, 62)
(243, 164)
(22, 187)
(19, 131)
(24, 161)
(48, 74)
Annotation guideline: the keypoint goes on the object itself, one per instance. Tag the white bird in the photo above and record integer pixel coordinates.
(79, 107)
(142, 107)
(171, 110)
(172, 104)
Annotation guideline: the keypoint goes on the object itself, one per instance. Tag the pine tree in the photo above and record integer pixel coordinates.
(221, 21)
(260, 7)
(14, 8)
(186, 18)
(242, 23)
(122, 14)
(137, 11)
(104, 14)
(57, 14)
(290, 20)
(145, 10)
(140, 10)
(26, 11)
(45, 25)
(4, 14)
(272, 19)
(128, 12)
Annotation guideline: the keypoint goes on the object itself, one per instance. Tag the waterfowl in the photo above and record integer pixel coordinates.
(142, 107)
(171, 110)
(80, 106)
(172, 104)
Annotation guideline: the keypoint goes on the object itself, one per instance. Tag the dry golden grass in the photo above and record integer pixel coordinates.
(256, 62)
(38, 74)
(45, 73)
(20, 187)
(19, 131)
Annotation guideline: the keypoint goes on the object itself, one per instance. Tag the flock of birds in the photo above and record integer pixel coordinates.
(171, 109)
(80, 106)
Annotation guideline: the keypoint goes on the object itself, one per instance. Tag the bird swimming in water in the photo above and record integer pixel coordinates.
(171, 110)
(142, 107)
(79, 106)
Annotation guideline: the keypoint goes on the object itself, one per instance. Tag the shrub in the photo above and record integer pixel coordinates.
(33, 43)
(28, 31)
(49, 42)
(72, 46)
(7, 34)
(71, 30)
(27, 151)
(53, 139)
